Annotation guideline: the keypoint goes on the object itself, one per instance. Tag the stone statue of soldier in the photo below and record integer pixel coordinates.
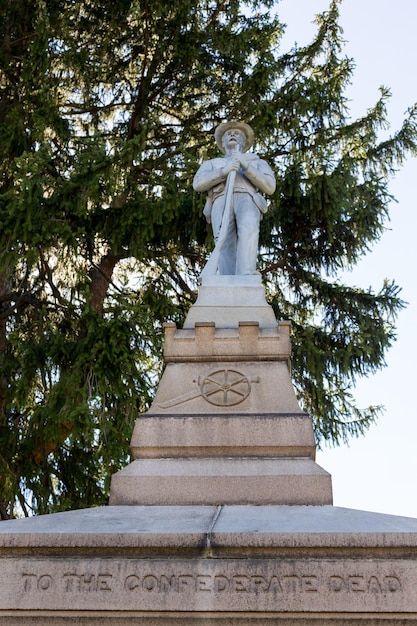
(235, 203)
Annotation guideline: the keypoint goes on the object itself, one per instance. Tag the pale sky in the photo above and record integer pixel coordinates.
(378, 472)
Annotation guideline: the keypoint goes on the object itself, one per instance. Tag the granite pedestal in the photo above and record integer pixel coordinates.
(223, 517)
(205, 565)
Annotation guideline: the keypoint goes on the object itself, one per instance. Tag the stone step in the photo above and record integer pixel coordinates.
(233, 481)
(157, 436)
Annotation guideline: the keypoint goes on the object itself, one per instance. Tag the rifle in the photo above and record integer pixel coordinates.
(212, 264)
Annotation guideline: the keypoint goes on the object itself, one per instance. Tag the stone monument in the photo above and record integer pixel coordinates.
(223, 517)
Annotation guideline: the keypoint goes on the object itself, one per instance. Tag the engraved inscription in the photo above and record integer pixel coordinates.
(362, 584)
(290, 584)
(41, 583)
(236, 583)
(231, 584)
(67, 582)
(87, 582)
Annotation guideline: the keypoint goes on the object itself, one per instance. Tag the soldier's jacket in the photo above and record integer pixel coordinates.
(257, 177)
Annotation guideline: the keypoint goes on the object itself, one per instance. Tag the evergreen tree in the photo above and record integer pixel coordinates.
(106, 111)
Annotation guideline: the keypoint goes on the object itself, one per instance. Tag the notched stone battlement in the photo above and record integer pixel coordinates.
(206, 342)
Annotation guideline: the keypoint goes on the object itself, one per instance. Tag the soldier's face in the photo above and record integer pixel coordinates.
(232, 138)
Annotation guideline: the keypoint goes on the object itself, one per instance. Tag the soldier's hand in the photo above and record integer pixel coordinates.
(244, 160)
(232, 164)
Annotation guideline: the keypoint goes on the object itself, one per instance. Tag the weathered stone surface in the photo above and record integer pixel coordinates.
(225, 426)
(228, 300)
(111, 528)
(234, 585)
(246, 341)
(222, 481)
(207, 565)
(223, 435)
(210, 528)
(156, 618)
(224, 388)
(285, 527)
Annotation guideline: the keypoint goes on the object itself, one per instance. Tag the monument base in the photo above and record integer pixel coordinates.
(183, 542)
(207, 565)
(228, 300)
(225, 427)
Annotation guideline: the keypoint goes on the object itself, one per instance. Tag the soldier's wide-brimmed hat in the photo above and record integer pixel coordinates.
(225, 126)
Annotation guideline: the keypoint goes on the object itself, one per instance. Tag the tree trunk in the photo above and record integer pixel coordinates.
(101, 276)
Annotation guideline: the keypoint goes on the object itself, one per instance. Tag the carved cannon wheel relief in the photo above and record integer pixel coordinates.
(223, 387)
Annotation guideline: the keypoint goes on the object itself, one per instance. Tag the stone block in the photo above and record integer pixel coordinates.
(232, 565)
(220, 435)
(195, 481)
(224, 388)
(206, 342)
(228, 300)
